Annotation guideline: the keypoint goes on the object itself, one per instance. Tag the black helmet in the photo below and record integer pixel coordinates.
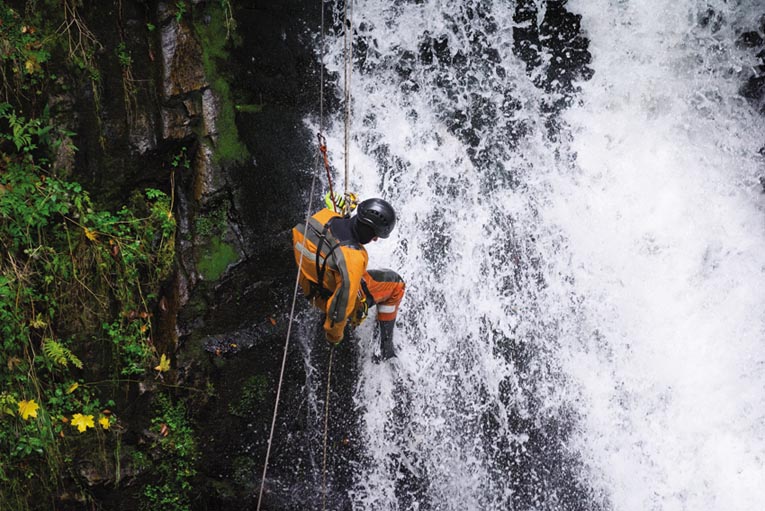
(377, 214)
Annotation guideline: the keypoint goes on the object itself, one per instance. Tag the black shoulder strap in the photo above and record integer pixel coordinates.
(321, 268)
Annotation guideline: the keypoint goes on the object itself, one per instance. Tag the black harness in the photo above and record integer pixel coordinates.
(317, 289)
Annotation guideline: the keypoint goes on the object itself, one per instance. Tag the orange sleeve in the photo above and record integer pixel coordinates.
(351, 267)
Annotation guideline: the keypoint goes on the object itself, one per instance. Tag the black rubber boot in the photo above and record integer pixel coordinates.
(386, 339)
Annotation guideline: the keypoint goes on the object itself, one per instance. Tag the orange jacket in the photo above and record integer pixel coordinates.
(344, 263)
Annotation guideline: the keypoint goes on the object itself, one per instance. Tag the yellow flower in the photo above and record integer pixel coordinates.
(104, 422)
(82, 422)
(31, 65)
(164, 364)
(28, 409)
(72, 387)
(91, 235)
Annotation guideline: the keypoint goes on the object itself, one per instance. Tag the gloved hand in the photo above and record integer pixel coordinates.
(341, 203)
(334, 201)
(361, 312)
(332, 339)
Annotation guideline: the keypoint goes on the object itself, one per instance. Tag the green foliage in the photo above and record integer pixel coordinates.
(181, 160)
(180, 10)
(60, 354)
(23, 133)
(212, 223)
(129, 341)
(253, 395)
(176, 453)
(72, 278)
(123, 55)
(24, 51)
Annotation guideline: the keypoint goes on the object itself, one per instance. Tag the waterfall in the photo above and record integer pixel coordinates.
(581, 233)
(672, 261)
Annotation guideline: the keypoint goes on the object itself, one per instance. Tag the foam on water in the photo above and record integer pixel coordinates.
(600, 290)
(664, 222)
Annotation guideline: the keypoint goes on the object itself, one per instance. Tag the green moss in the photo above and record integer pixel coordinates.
(216, 256)
(253, 395)
(214, 36)
(212, 223)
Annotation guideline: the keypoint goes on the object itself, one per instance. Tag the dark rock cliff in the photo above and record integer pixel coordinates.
(206, 101)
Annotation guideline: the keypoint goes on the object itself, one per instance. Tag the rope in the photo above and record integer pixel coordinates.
(348, 67)
(323, 150)
(286, 343)
(323, 153)
(326, 429)
(321, 73)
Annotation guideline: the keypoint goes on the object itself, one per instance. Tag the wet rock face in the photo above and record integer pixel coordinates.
(274, 83)
(115, 114)
(159, 124)
(181, 59)
(232, 328)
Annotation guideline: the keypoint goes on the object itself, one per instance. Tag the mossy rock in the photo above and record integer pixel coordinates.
(216, 255)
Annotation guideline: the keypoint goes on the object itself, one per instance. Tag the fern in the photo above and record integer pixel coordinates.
(76, 362)
(60, 354)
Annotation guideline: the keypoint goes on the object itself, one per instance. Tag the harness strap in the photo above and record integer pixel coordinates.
(321, 267)
(365, 289)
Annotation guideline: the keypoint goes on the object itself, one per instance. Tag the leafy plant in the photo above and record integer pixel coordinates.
(180, 10)
(24, 52)
(72, 278)
(176, 456)
(123, 55)
(181, 160)
(60, 354)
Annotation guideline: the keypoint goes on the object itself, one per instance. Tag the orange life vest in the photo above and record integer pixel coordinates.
(330, 270)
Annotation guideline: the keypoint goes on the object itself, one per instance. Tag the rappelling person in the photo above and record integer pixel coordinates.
(333, 269)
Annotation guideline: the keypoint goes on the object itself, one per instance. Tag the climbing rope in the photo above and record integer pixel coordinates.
(348, 67)
(350, 198)
(348, 64)
(323, 154)
(300, 265)
(287, 342)
(323, 151)
(326, 430)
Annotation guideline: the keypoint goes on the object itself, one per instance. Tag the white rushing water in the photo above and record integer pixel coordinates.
(665, 226)
(583, 325)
